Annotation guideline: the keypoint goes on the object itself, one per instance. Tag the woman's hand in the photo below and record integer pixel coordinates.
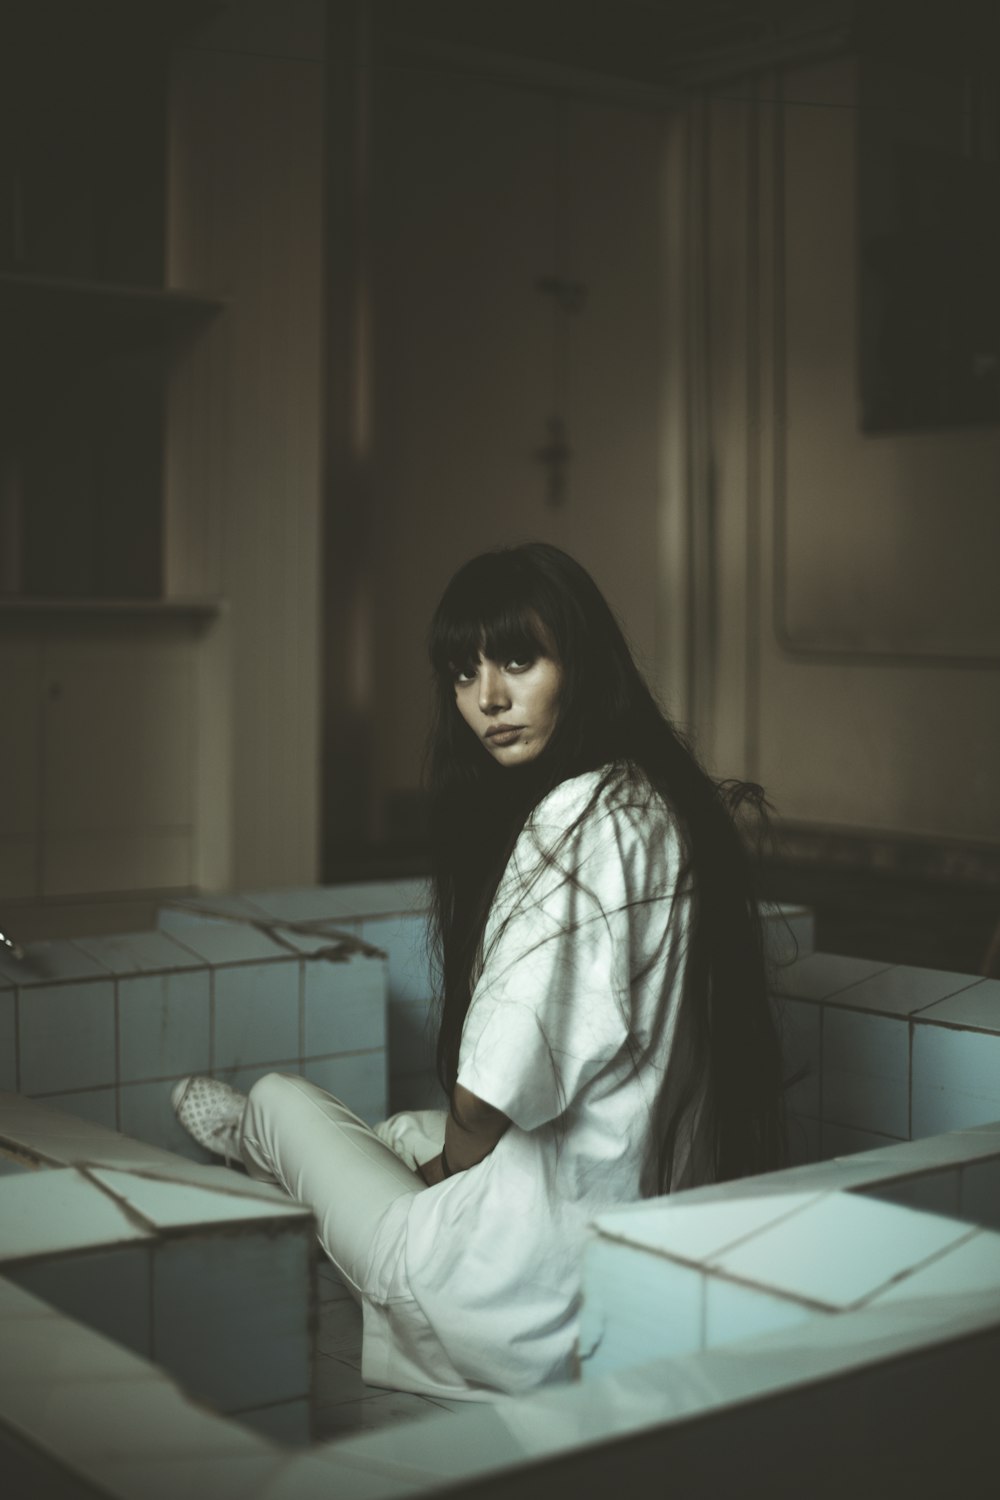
(473, 1129)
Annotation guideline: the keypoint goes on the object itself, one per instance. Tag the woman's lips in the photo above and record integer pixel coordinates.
(503, 736)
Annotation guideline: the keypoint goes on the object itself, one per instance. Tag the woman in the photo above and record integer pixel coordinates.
(605, 1033)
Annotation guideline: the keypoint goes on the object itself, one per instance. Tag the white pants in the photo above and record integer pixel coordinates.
(304, 1139)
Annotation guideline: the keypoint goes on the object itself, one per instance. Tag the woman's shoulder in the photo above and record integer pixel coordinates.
(618, 794)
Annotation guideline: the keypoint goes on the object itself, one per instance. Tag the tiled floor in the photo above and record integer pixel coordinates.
(344, 1405)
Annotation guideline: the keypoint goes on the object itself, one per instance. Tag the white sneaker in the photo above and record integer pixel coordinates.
(210, 1111)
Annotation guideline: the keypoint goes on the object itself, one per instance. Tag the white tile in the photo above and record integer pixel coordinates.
(231, 1314)
(931, 1192)
(818, 976)
(67, 1037)
(837, 1141)
(137, 953)
(119, 1419)
(256, 1013)
(108, 1290)
(789, 932)
(358, 1079)
(288, 1423)
(804, 1140)
(97, 1105)
(956, 1078)
(637, 1307)
(175, 1205)
(340, 1329)
(799, 1024)
(405, 941)
(409, 1091)
(698, 1231)
(44, 1213)
(330, 1476)
(216, 941)
(840, 1250)
(345, 1006)
(412, 1036)
(337, 1382)
(46, 963)
(979, 1195)
(734, 1312)
(978, 1006)
(57, 1349)
(17, 1303)
(163, 1025)
(374, 1412)
(972, 1266)
(8, 1042)
(866, 1072)
(233, 1475)
(147, 1114)
(902, 989)
(443, 1447)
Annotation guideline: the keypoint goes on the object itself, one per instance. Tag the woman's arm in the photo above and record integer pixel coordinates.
(472, 1131)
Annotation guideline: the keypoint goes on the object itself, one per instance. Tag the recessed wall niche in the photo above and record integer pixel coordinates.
(929, 202)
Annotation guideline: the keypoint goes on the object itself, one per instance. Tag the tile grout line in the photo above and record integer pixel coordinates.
(118, 1057)
(17, 1041)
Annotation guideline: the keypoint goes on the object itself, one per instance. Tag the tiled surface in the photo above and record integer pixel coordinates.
(404, 940)
(67, 1037)
(840, 1250)
(138, 953)
(734, 1312)
(701, 1231)
(979, 1193)
(843, 1140)
(977, 1006)
(636, 1307)
(218, 942)
(256, 1013)
(903, 990)
(175, 1205)
(98, 1105)
(956, 1079)
(230, 1315)
(108, 1290)
(866, 1076)
(359, 1079)
(146, 1114)
(800, 1026)
(411, 1036)
(8, 1042)
(931, 1192)
(972, 1266)
(817, 976)
(163, 1025)
(50, 1212)
(344, 1006)
(50, 963)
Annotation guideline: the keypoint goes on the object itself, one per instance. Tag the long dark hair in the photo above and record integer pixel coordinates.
(531, 600)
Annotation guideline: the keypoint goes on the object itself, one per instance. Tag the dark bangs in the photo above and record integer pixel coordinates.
(487, 608)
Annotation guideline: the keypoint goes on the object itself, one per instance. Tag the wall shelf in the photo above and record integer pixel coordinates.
(93, 317)
(13, 604)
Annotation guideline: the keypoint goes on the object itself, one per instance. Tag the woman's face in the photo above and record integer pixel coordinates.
(511, 706)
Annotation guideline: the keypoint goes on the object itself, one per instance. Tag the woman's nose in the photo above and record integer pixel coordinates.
(493, 694)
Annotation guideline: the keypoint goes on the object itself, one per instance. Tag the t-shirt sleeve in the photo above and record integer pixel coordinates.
(551, 1005)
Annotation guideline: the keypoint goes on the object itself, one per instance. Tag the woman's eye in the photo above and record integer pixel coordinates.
(462, 677)
(520, 663)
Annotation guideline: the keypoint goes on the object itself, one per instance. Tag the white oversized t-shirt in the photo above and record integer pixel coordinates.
(472, 1288)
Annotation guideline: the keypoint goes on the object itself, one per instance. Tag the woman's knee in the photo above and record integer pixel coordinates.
(269, 1093)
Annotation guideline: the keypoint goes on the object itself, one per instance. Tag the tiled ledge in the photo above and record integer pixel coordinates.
(82, 1410)
(200, 1268)
(888, 1052)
